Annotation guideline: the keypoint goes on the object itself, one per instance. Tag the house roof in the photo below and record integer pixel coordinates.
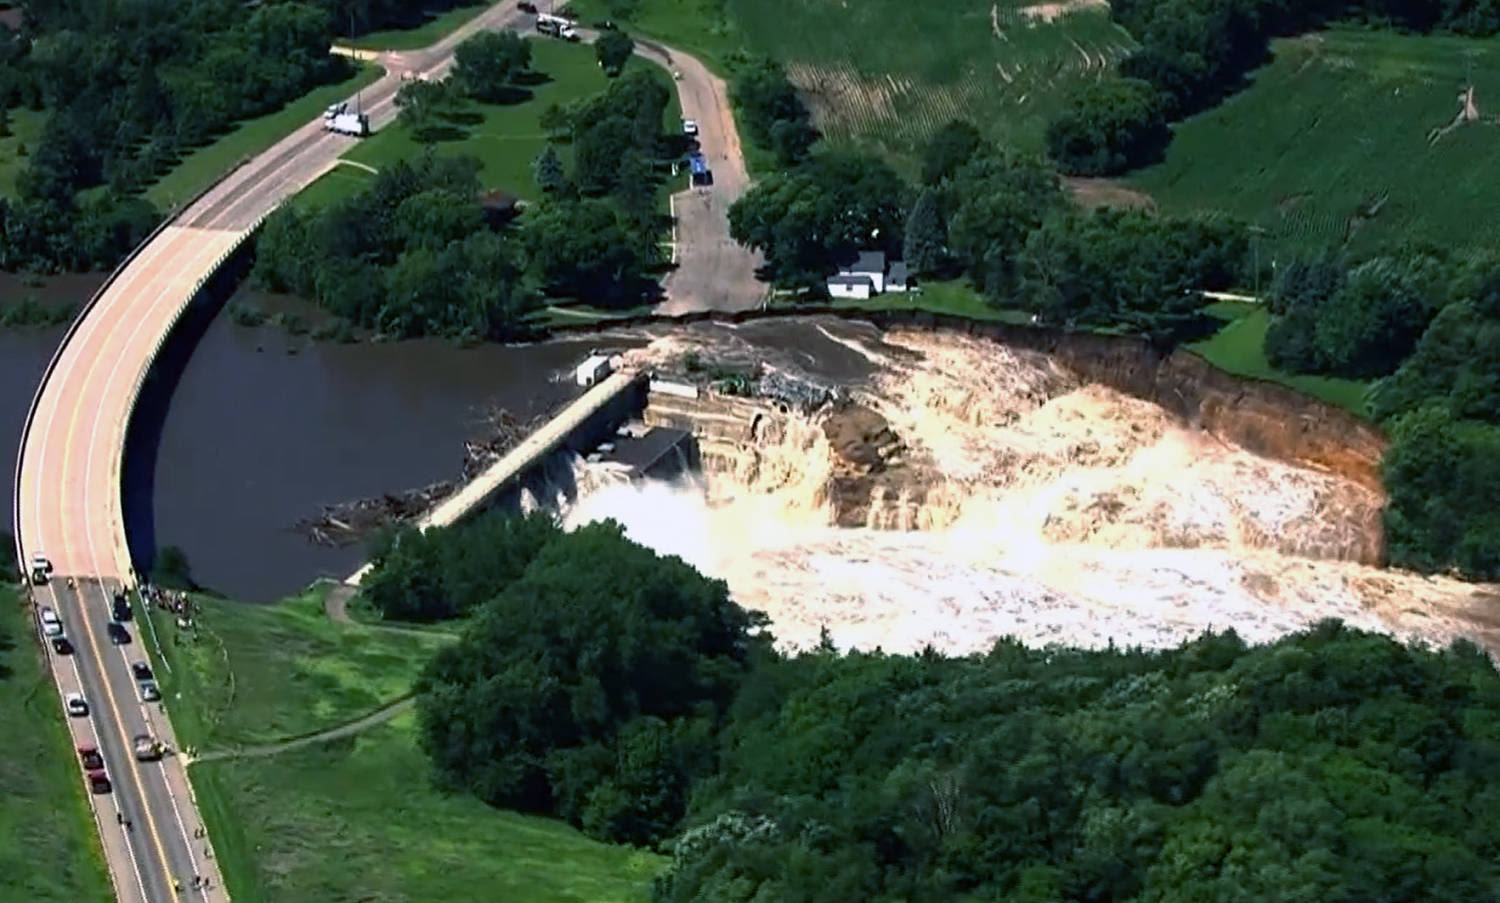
(845, 279)
(898, 272)
(869, 262)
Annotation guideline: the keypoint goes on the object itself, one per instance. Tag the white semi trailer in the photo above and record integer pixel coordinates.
(339, 118)
(556, 26)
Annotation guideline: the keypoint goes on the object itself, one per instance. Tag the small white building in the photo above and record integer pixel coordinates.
(869, 275)
(593, 369)
(842, 286)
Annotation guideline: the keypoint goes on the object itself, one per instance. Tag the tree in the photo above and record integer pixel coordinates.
(4, 120)
(1441, 475)
(772, 113)
(548, 170)
(949, 148)
(171, 569)
(488, 65)
(566, 663)
(925, 250)
(994, 201)
(421, 107)
(581, 249)
(809, 219)
(1107, 127)
(613, 48)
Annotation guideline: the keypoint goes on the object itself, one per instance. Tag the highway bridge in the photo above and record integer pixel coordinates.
(68, 500)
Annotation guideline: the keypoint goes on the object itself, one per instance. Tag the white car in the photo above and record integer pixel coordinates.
(689, 126)
(51, 623)
(76, 704)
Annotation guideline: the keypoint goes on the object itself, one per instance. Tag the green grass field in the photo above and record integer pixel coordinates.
(955, 298)
(426, 34)
(505, 140)
(1333, 144)
(885, 74)
(25, 129)
(263, 673)
(1239, 348)
(48, 847)
(355, 818)
(207, 164)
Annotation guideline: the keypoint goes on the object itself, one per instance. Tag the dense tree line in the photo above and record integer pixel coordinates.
(411, 255)
(445, 572)
(1001, 219)
(1426, 325)
(634, 699)
(771, 111)
(592, 692)
(128, 88)
(1195, 52)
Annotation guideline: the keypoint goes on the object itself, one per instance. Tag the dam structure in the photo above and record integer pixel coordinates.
(595, 424)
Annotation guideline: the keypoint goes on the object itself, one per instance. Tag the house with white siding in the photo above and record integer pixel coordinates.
(868, 275)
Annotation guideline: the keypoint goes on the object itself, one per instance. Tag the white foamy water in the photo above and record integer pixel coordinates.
(1068, 514)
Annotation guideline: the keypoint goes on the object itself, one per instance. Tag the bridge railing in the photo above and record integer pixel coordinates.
(88, 306)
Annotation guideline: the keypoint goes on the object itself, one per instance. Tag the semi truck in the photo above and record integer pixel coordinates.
(556, 26)
(339, 118)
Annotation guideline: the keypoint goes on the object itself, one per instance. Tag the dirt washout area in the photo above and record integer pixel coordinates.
(967, 489)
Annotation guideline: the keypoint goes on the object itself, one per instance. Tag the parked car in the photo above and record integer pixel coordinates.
(90, 758)
(121, 607)
(51, 623)
(527, 7)
(77, 706)
(606, 25)
(149, 691)
(690, 127)
(41, 568)
(141, 670)
(118, 634)
(99, 781)
(62, 646)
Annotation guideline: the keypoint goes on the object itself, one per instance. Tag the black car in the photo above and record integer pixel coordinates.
(61, 646)
(121, 607)
(118, 634)
(606, 25)
(141, 670)
(527, 7)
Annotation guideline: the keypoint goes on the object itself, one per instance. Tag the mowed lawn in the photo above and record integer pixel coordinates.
(358, 819)
(1239, 348)
(49, 850)
(1334, 144)
(260, 673)
(355, 818)
(15, 150)
(884, 74)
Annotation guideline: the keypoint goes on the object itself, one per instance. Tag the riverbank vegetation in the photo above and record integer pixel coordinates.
(51, 851)
(424, 249)
(169, 78)
(603, 695)
(317, 820)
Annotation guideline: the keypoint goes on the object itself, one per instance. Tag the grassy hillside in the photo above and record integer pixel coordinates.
(505, 138)
(1334, 143)
(48, 847)
(354, 818)
(886, 73)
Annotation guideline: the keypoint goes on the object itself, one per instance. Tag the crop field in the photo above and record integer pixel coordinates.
(886, 73)
(1349, 138)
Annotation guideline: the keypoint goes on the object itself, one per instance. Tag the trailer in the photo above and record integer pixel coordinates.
(557, 27)
(356, 124)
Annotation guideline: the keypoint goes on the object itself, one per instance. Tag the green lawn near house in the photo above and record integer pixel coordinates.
(209, 163)
(50, 851)
(1338, 142)
(1239, 348)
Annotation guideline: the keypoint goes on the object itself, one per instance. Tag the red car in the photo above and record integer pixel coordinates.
(90, 757)
(99, 781)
